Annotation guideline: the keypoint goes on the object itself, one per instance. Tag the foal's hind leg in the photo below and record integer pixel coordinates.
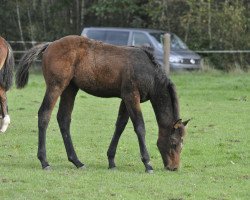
(121, 123)
(4, 108)
(44, 115)
(64, 119)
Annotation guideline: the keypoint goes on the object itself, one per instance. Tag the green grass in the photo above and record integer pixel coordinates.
(215, 158)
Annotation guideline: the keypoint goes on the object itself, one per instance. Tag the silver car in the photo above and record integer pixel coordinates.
(180, 56)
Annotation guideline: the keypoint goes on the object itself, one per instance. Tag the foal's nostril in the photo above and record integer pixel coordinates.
(175, 169)
(172, 168)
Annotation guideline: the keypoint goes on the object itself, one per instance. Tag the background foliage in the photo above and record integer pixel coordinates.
(202, 24)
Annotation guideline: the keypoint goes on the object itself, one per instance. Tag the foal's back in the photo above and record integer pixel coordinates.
(97, 68)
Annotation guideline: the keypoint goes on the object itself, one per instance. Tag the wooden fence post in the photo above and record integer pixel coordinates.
(166, 48)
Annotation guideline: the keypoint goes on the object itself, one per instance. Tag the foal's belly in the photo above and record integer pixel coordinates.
(101, 91)
(102, 85)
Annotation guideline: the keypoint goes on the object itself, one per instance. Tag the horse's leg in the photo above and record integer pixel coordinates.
(44, 115)
(5, 116)
(64, 118)
(132, 101)
(121, 123)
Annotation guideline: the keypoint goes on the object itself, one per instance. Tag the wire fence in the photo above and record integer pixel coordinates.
(222, 51)
(20, 47)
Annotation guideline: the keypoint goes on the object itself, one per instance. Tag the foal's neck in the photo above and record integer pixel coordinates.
(164, 105)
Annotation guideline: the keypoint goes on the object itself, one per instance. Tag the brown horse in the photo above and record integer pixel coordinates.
(75, 62)
(6, 74)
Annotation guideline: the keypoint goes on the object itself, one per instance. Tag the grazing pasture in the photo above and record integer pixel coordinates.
(215, 158)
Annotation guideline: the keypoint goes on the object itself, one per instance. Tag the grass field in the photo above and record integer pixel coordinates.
(215, 158)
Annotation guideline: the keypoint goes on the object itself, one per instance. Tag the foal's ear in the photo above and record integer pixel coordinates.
(186, 122)
(178, 123)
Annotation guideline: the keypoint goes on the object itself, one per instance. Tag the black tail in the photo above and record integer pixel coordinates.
(22, 74)
(6, 73)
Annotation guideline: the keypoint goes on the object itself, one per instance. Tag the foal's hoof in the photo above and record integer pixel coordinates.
(112, 168)
(150, 171)
(82, 167)
(47, 168)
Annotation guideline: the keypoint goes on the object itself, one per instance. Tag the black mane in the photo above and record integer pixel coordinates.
(164, 82)
(151, 56)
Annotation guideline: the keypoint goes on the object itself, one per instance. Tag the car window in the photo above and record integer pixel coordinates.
(117, 37)
(177, 43)
(96, 34)
(140, 39)
(158, 36)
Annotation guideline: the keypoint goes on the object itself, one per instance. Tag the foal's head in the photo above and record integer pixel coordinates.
(170, 143)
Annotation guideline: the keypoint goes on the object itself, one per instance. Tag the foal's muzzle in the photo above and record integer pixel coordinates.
(171, 168)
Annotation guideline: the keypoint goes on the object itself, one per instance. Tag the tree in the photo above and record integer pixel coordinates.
(202, 24)
(119, 13)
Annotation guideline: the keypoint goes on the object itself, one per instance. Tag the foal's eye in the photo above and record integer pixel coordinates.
(174, 146)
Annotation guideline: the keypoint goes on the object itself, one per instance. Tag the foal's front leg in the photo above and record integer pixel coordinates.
(132, 101)
(121, 123)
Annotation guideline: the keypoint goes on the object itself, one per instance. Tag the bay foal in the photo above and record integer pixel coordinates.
(75, 62)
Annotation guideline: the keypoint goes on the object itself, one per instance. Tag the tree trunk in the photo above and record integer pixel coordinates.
(31, 27)
(44, 11)
(209, 24)
(82, 13)
(187, 28)
(19, 24)
(77, 18)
